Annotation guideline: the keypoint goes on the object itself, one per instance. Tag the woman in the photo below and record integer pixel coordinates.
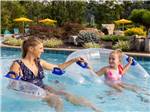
(30, 68)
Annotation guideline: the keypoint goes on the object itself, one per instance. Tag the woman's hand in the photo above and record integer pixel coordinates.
(83, 63)
(79, 59)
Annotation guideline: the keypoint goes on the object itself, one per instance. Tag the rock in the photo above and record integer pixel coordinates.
(147, 44)
(72, 39)
(93, 30)
(118, 32)
(109, 27)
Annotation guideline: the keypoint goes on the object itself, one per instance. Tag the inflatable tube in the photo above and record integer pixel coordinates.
(26, 90)
(98, 58)
(70, 74)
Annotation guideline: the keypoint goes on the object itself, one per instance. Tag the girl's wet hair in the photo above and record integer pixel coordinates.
(31, 42)
(118, 52)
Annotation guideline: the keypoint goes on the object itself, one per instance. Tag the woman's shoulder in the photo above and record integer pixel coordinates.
(15, 64)
(17, 61)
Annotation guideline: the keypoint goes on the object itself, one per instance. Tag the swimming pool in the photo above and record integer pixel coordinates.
(99, 94)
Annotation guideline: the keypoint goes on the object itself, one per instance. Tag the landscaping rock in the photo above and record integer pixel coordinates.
(109, 27)
(147, 44)
(93, 30)
(118, 32)
(72, 39)
(139, 44)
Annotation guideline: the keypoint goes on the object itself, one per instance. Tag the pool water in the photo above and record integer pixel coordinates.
(101, 95)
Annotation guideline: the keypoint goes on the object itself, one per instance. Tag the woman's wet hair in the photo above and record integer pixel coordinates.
(30, 42)
(118, 52)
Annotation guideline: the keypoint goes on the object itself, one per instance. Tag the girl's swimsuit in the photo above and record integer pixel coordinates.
(114, 76)
(29, 76)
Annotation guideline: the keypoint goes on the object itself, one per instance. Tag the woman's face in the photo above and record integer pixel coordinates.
(113, 60)
(38, 50)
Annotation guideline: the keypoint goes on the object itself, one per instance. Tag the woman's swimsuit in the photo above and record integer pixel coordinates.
(29, 76)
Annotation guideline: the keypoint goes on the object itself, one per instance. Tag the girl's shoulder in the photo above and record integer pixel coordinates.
(108, 69)
(105, 68)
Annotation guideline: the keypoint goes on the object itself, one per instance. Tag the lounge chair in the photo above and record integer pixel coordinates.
(17, 34)
(27, 30)
(16, 31)
(7, 33)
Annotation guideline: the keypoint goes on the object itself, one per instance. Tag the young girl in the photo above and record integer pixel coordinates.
(114, 72)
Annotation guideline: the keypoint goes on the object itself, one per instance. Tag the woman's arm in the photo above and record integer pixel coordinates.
(49, 66)
(68, 63)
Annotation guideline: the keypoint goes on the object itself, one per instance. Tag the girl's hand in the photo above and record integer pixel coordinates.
(90, 68)
(130, 60)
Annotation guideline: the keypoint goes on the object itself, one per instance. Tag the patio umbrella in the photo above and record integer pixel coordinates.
(123, 22)
(22, 19)
(48, 21)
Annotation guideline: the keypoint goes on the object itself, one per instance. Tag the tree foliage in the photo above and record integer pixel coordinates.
(73, 11)
(141, 17)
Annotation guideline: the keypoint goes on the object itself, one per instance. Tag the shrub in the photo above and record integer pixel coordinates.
(37, 29)
(85, 37)
(91, 45)
(72, 29)
(52, 43)
(114, 38)
(135, 31)
(13, 41)
(57, 32)
(123, 45)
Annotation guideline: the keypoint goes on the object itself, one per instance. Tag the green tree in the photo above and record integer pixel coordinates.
(141, 17)
(9, 11)
(59, 11)
(34, 9)
(105, 12)
(76, 10)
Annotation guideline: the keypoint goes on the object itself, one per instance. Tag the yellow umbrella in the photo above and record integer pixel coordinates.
(22, 19)
(123, 21)
(48, 21)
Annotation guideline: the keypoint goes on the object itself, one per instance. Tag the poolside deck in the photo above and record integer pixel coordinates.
(143, 54)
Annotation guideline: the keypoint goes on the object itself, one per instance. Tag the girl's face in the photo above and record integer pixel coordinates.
(38, 50)
(113, 60)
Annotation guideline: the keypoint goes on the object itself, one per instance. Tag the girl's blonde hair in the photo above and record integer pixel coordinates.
(118, 52)
(31, 42)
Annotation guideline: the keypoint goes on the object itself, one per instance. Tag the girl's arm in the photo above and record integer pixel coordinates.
(127, 66)
(101, 72)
